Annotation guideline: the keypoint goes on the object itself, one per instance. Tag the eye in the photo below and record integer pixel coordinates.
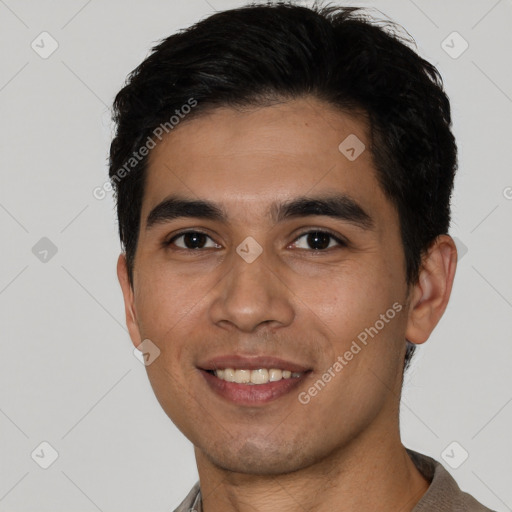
(192, 241)
(320, 240)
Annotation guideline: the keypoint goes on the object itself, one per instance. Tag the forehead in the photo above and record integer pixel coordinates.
(253, 157)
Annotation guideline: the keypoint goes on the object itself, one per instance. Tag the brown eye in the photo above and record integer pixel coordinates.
(319, 240)
(191, 240)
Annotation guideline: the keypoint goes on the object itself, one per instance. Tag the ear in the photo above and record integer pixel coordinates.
(430, 295)
(129, 306)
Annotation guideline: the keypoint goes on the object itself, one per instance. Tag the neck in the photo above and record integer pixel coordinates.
(360, 477)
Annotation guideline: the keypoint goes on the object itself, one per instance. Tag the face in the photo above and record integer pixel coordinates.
(266, 284)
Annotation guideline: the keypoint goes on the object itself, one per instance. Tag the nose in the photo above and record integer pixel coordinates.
(252, 294)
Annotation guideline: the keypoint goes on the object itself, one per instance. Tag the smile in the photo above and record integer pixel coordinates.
(270, 384)
(248, 380)
(254, 377)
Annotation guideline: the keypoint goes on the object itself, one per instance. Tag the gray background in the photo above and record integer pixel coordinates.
(68, 374)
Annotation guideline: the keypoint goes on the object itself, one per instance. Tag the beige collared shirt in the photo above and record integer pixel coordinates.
(443, 495)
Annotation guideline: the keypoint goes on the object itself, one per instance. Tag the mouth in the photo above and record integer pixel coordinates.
(252, 380)
(254, 377)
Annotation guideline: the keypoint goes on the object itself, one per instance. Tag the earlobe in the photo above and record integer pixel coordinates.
(432, 291)
(129, 303)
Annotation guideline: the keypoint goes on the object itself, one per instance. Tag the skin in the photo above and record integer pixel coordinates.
(342, 450)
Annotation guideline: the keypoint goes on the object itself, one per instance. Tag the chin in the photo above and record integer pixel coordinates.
(258, 458)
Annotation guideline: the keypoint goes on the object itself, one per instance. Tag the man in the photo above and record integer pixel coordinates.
(283, 179)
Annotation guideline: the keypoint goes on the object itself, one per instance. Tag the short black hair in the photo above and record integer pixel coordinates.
(261, 54)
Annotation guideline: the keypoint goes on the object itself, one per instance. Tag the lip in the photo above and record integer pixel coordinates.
(246, 394)
(240, 362)
(252, 395)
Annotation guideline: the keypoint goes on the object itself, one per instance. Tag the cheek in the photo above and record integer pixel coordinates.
(171, 311)
(364, 313)
(164, 297)
(352, 298)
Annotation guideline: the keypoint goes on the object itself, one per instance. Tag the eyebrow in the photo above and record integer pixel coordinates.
(337, 206)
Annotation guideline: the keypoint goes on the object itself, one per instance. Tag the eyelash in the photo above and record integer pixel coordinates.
(340, 241)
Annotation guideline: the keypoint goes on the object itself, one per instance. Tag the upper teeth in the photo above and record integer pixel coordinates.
(260, 376)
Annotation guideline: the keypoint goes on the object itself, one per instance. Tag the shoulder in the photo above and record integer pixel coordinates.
(191, 503)
(443, 495)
